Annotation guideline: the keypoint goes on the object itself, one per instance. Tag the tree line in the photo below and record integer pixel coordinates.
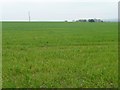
(89, 20)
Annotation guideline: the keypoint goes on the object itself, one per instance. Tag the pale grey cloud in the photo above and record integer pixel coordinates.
(58, 1)
(59, 9)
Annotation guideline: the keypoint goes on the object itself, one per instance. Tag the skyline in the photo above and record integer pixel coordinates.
(58, 11)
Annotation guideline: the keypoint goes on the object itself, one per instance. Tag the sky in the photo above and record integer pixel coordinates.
(58, 10)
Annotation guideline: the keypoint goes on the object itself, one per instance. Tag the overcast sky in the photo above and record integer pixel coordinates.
(50, 10)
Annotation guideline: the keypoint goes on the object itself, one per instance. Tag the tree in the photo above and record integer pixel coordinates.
(66, 21)
(91, 20)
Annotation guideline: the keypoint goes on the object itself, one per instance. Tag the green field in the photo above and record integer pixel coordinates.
(60, 54)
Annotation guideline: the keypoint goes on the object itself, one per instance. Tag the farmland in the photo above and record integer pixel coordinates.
(59, 54)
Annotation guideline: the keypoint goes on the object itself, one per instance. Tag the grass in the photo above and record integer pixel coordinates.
(60, 54)
(0, 54)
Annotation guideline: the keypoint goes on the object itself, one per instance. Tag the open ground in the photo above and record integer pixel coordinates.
(60, 54)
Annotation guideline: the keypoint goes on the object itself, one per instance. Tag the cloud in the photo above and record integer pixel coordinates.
(58, 10)
(10, 1)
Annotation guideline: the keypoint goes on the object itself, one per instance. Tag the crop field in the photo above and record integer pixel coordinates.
(59, 54)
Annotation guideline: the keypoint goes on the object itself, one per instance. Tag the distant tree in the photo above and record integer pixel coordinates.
(66, 21)
(84, 20)
(91, 20)
(77, 21)
(73, 20)
(81, 20)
